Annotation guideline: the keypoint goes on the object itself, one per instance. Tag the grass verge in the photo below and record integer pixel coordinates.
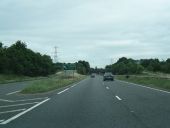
(15, 78)
(155, 82)
(50, 84)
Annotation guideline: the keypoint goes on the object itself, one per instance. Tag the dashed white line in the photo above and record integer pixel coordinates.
(22, 113)
(4, 100)
(63, 91)
(18, 105)
(30, 99)
(107, 87)
(1, 121)
(13, 92)
(12, 111)
(118, 97)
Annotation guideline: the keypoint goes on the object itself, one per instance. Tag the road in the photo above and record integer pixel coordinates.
(90, 103)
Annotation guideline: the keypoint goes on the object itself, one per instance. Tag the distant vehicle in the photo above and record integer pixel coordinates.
(108, 76)
(92, 75)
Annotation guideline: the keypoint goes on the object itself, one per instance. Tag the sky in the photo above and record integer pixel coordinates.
(98, 31)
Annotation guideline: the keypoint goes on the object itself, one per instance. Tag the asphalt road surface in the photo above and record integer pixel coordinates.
(90, 103)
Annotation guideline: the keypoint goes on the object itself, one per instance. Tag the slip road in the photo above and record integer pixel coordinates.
(93, 103)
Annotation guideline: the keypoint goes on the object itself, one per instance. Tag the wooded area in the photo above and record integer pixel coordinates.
(18, 59)
(131, 66)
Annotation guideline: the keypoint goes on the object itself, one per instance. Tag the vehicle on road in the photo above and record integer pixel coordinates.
(92, 75)
(108, 76)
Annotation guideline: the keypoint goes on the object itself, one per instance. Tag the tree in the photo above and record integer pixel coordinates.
(125, 66)
(18, 59)
(83, 67)
(1, 45)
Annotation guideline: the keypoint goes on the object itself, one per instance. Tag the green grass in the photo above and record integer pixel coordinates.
(50, 84)
(155, 82)
(12, 78)
(15, 78)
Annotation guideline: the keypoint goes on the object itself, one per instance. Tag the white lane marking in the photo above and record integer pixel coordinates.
(73, 85)
(144, 86)
(107, 87)
(6, 100)
(1, 121)
(30, 99)
(63, 91)
(13, 92)
(118, 98)
(82, 81)
(79, 82)
(13, 111)
(22, 113)
(18, 105)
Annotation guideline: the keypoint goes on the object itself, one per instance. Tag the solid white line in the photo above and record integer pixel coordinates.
(12, 111)
(73, 85)
(107, 87)
(6, 100)
(18, 105)
(82, 81)
(30, 99)
(22, 113)
(63, 91)
(13, 92)
(118, 98)
(1, 121)
(144, 86)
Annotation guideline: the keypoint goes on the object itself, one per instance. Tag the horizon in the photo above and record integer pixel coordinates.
(97, 31)
(161, 60)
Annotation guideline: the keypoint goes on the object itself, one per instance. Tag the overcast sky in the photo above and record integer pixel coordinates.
(94, 30)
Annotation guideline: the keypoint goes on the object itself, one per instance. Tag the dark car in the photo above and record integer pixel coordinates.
(92, 75)
(108, 76)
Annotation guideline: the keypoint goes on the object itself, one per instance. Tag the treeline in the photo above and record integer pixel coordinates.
(130, 66)
(125, 66)
(97, 70)
(82, 67)
(18, 59)
(156, 65)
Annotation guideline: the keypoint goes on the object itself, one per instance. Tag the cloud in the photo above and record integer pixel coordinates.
(95, 30)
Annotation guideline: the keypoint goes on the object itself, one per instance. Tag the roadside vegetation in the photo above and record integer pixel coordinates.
(151, 81)
(130, 66)
(10, 78)
(19, 63)
(148, 72)
(16, 78)
(19, 60)
(52, 83)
